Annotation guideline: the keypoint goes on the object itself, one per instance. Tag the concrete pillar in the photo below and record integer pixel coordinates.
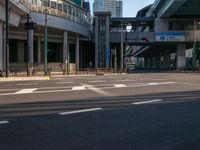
(107, 39)
(65, 46)
(181, 62)
(39, 50)
(30, 45)
(20, 52)
(1, 46)
(161, 25)
(166, 59)
(96, 42)
(77, 52)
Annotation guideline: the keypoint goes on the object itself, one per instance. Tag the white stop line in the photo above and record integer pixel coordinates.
(4, 122)
(147, 102)
(80, 111)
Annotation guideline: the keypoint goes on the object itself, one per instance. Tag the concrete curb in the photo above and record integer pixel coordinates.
(23, 79)
(53, 76)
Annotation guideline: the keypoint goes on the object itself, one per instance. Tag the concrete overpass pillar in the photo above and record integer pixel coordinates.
(39, 50)
(1, 46)
(181, 56)
(77, 52)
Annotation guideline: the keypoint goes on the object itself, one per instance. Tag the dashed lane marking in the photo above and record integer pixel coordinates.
(4, 122)
(80, 111)
(147, 102)
(64, 82)
(100, 81)
(26, 91)
(120, 85)
(21, 84)
(98, 90)
(78, 88)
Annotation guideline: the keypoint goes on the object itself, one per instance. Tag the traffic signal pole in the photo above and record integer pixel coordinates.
(7, 39)
(45, 46)
(27, 55)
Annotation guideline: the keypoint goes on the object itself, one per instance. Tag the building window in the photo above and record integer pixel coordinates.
(53, 4)
(59, 6)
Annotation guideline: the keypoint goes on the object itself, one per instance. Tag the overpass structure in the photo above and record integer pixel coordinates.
(165, 34)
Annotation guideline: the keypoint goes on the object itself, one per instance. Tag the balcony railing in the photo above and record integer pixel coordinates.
(83, 19)
(23, 3)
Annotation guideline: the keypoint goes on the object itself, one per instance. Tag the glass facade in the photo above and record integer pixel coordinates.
(78, 2)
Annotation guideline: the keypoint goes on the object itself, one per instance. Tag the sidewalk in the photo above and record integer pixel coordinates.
(32, 78)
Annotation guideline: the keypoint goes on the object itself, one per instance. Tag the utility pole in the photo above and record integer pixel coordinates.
(7, 38)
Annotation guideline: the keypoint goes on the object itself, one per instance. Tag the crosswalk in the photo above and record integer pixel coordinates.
(57, 88)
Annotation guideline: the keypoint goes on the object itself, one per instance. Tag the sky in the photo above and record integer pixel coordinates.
(131, 7)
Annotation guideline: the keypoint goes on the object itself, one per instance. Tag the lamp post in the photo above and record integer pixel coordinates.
(7, 39)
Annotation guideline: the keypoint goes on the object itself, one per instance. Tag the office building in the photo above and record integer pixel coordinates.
(113, 6)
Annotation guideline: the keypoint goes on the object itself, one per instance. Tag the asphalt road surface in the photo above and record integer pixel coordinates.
(120, 112)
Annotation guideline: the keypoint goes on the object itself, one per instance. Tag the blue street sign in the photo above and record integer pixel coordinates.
(107, 53)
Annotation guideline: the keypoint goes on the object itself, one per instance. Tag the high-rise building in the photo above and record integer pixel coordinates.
(114, 6)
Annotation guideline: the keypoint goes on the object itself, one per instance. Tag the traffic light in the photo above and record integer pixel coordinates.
(145, 39)
(29, 25)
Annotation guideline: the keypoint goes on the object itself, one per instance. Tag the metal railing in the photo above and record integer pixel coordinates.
(83, 20)
(24, 3)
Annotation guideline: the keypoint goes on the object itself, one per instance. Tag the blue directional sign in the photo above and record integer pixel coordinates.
(107, 51)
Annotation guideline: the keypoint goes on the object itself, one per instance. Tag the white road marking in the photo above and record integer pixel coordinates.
(100, 81)
(27, 84)
(26, 91)
(80, 111)
(126, 80)
(64, 82)
(152, 83)
(98, 90)
(147, 102)
(4, 122)
(168, 82)
(120, 85)
(77, 88)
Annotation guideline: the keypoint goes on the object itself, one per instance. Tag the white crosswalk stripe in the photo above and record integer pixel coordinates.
(26, 91)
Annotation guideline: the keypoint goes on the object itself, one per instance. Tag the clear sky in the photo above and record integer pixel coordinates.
(130, 7)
